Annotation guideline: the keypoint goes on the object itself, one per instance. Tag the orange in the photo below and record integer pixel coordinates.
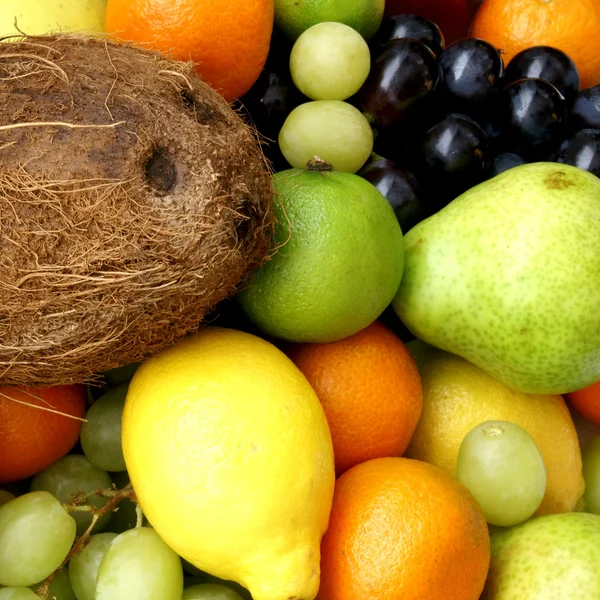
(572, 26)
(370, 389)
(32, 438)
(228, 39)
(401, 528)
(586, 402)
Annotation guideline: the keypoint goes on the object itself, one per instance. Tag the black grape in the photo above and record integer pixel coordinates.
(585, 110)
(408, 26)
(582, 150)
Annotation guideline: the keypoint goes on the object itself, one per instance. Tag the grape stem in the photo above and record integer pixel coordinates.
(115, 496)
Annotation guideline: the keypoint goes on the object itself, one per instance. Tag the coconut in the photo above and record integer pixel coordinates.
(133, 199)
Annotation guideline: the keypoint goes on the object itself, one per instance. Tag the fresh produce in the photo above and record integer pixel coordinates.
(591, 474)
(568, 25)
(401, 528)
(370, 389)
(40, 17)
(294, 17)
(339, 258)
(227, 40)
(138, 564)
(402, 26)
(458, 396)
(552, 556)
(331, 130)
(72, 475)
(231, 459)
(36, 534)
(329, 61)
(101, 432)
(83, 568)
(582, 150)
(37, 427)
(17, 593)
(490, 278)
(112, 253)
(586, 402)
(210, 591)
(501, 466)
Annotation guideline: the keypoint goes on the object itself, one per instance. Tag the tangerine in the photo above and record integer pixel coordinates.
(33, 435)
(370, 389)
(401, 528)
(572, 26)
(586, 402)
(229, 40)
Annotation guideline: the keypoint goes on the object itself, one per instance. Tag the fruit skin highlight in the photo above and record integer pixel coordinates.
(231, 458)
(508, 276)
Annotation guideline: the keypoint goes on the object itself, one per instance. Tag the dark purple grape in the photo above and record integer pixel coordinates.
(453, 156)
(401, 189)
(532, 114)
(503, 162)
(547, 63)
(582, 150)
(585, 110)
(399, 27)
(471, 74)
(403, 74)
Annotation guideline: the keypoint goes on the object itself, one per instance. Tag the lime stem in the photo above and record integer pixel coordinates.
(318, 164)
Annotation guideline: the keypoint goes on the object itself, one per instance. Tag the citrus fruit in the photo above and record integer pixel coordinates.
(37, 427)
(370, 389)
(229, 453)
(294, 17)
(229, 40)
(549, 557)
(572, 26)
(401, 528)
(40, 17)
(587, 402)
(339, 260)
(457, 396)
(451, 16)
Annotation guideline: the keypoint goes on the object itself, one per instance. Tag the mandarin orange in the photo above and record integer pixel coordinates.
(370, 389)
(586, 402)
(572, 26)
(401, 528)
(37, 427)
(229, 40)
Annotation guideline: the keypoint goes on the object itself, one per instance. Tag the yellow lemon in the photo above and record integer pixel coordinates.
(40, 17)
(230, 455)
(457, 396)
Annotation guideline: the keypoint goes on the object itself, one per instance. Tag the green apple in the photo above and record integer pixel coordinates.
(546, 558)
(508, 277)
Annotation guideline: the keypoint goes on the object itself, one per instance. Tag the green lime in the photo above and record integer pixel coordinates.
(294, 17)
(339, 261)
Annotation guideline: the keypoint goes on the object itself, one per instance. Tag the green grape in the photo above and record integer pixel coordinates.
(60, 586)
(501, 465)
(138, 564)
(120, 375)
(69, 476)
(17, 593)
(101, 433)
(5, 496)
(591, 475)
(83, 568)
(330, 61)
(333, 130)
(210, 591)
(36, 534)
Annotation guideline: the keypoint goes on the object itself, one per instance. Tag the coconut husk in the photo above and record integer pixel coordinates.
(133, 199)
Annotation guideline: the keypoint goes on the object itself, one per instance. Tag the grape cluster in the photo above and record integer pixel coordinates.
(444, 118)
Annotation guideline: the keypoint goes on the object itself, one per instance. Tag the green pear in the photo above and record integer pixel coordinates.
(546, 558)
(508, 277)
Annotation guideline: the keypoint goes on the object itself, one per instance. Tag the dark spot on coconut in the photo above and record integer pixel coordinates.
(160, 171)
(558, 181)
(205, 113)
(188, 99)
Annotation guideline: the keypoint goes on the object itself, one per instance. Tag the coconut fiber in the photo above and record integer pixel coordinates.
(132, 200)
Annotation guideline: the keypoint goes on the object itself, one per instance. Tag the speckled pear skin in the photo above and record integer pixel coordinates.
(546, 558)
(508, 277)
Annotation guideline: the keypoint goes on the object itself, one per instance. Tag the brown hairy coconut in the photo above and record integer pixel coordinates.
(132, 200)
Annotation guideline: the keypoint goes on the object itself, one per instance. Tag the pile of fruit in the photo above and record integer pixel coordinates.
(403, 399)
